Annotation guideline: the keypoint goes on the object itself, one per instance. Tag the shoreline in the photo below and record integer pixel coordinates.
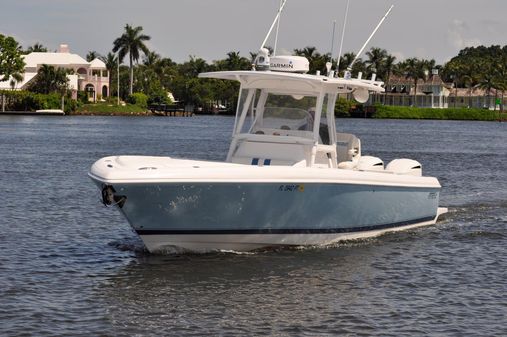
(499, 117)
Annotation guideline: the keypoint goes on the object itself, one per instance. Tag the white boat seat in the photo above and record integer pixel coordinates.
(252, 152)
(266, 162)
(348, 147)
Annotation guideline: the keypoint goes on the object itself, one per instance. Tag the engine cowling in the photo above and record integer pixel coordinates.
(405, 166)
(370, 163)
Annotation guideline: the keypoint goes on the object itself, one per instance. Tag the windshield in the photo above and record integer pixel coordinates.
(288, 113)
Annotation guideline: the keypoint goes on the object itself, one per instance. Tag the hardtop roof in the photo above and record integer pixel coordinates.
(294, 81)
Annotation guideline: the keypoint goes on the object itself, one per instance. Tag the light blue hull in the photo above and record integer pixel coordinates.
(167, 211)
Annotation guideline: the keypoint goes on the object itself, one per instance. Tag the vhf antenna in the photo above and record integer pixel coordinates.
(349, 68)
(343, 35)
(276, 33)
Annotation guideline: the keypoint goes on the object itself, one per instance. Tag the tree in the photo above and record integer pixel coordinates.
(11, 62)
(151, 59)
(132, 43)
(347, 59)
(317, 60)
(415, 69)
(15, 78)
(92, 55)
(36, 48)
(50, 79)
(111, 62)
(376, 61)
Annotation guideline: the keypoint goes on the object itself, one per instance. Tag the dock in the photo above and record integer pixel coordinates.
(172, 110)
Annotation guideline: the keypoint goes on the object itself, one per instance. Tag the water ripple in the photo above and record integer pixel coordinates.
(69, 266)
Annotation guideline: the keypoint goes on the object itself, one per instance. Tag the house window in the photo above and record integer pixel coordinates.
(96, 72)
(104, 73)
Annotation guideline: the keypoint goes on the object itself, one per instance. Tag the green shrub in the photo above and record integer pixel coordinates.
(342, 107)
(159, 96)
(82, 96)
(21, 100)
(401, 112)
(139, 99)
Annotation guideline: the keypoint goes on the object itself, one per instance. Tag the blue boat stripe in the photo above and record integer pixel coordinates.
(280, 230)
(255, 161)
(267, 162)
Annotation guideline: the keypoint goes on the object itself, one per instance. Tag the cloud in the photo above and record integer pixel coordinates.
(458, 35)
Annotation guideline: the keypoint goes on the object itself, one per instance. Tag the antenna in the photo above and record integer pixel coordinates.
(273, 24)
(277, 28)
(349, 68)
(332, 39)
(343, 35)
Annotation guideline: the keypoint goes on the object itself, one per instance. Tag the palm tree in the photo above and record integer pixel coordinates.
(15, 79)
(487, 81)
(389, 67)
(236, 62)
(50, 79)
(376, 61)
(36, 48)
(347, 59)
(151, 59)
(111, 62)
(131, 42)
(414, 69)
(92, 55)
(316, 59)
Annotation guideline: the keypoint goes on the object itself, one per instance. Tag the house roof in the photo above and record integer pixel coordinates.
(473, 92)
(27, 77)
(35, 59)
(97, 64)
(431, 80)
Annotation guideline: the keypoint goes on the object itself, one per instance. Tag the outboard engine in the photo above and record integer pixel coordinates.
(405, 166)
(370, 163)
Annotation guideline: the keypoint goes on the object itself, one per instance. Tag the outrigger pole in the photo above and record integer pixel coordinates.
(273, 24)
(349, 68)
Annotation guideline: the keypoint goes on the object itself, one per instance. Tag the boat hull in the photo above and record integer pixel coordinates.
(246, 216)
(247, 242)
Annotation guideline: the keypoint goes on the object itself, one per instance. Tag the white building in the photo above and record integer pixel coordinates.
(91, 77)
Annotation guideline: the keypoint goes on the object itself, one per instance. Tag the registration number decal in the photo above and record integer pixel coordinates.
(292, 188)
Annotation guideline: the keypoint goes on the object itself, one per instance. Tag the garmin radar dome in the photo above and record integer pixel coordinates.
(290, 64)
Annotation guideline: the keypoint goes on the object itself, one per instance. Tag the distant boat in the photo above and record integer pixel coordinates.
(50, 112)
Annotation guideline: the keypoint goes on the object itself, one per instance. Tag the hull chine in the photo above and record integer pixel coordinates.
(199, 242)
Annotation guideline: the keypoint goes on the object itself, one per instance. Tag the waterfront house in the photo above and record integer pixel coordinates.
(475, 97)
(90, 77)
(432, 92)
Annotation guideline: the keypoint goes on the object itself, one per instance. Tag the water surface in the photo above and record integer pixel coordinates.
(70, 266)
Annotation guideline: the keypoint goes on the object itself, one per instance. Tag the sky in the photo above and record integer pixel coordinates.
(209, 29)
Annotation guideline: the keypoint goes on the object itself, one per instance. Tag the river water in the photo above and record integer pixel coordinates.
(70, 266)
